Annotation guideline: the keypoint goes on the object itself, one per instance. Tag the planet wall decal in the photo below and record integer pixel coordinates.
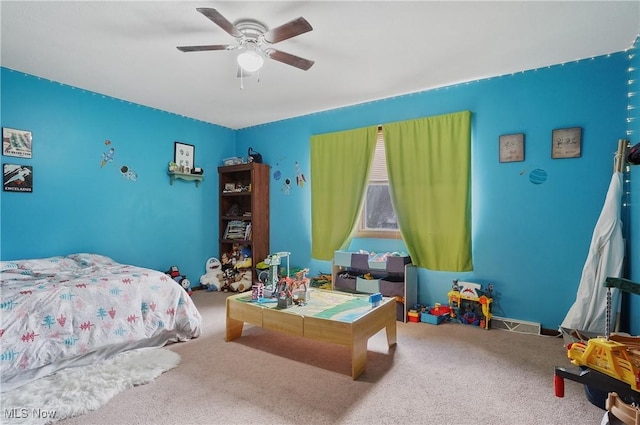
(538, 176)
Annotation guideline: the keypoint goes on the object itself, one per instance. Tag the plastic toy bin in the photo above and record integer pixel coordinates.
(431, 318)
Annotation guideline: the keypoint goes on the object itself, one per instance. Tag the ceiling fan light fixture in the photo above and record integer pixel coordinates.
(250, 61)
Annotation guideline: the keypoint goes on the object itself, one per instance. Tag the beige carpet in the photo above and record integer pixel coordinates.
(446, 374)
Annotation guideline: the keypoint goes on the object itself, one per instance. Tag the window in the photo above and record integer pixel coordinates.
(378, 218)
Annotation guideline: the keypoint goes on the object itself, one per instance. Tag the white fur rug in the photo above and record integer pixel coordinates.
(74, 391)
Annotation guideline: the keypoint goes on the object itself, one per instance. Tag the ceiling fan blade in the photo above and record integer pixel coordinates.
(289, 59)
(288, 30)
(203, 48)
(220, 21)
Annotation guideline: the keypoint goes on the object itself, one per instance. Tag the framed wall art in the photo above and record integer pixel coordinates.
(17, 178)
(511, 147)
(566, 143)
(16, 142)
(184, 156)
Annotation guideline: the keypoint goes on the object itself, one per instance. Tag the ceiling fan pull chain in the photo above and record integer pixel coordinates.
(241, 79)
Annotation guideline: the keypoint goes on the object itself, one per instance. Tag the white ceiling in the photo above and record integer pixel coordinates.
(363, 50)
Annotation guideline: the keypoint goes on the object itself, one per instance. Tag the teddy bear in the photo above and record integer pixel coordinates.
(245, 282)
(211, 279)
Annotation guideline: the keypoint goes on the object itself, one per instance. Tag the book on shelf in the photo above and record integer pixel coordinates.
(236, 229)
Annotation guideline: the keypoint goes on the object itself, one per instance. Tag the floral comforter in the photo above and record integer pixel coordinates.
(61, 311)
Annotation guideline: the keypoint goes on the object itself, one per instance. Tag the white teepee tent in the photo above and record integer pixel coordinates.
(587, 315)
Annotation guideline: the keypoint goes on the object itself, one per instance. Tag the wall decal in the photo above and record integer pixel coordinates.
(538, 176)
(128, 173)
(16, 142)
(300, 178)
(17, 178)
(286, 187)
(108, 157)
(277, 174)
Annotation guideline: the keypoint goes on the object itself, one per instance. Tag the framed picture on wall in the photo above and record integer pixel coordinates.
(184, 156)
(17, 178)
(16, 142)
(511, 147)
(566, 143)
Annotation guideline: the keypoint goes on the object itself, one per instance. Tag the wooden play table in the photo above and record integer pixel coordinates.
(329, 316)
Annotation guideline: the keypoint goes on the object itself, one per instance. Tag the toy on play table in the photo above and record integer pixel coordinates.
(274, 261)
(300, 287)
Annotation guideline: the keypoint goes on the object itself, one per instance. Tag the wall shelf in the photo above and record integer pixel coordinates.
(183, 176)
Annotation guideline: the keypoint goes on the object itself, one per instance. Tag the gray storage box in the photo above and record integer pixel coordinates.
(390, 287)
(344, 283)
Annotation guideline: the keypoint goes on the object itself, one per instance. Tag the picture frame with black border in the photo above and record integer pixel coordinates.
(511, 147)
(566, 143)
(184, 156)
(17, 143)
(17, 178)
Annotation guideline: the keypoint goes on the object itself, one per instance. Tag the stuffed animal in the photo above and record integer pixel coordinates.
(181, 279)
(246, 282)
(245, 263)
(228, 278)
(210, 279)
(235, 281)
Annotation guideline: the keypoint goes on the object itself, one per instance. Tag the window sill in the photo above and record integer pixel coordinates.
(378, 234)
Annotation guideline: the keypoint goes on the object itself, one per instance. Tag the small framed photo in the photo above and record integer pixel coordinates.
(512, 147)
(566, 143)
(184, 156)
(16, 142)
(17, 178)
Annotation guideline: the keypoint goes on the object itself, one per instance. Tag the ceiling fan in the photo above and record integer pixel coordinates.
(255, 40)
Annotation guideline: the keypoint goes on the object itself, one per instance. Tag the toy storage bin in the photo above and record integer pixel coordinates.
(345, 282)
(369, 286)
(396, 264)
(392, 286)
(360, 261)
(342, 258)
(432, 319)
(375, 262)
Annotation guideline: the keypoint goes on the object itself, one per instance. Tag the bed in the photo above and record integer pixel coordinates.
(72, 310)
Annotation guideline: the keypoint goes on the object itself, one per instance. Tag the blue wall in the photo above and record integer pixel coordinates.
(79, 206)
(529, 240)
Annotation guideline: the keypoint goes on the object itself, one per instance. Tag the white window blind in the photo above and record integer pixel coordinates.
(379, 166)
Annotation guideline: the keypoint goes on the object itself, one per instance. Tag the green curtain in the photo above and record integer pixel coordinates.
(340, 165)
(429, 165)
